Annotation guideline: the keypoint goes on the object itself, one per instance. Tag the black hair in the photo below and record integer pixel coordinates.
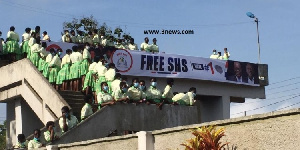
(192, 89)
(45, 32)
(52, 50)
(66, 30)
(0, 32)
(95, 30)
(118, 76)
(96, 59)
(111, 65)
(87, 44)
(12, 28)
(38, 40)
(80, 47)
(68, 50)
(38, 130)
(49, 123)
(33, 34)
(37, 28)
(124, 78)
(59, 50)
(170, 80)
(122, 84)
(102, 83)
(75, 48)
(44, 44)
(21, 137)
(137, 79)
(72, 31)
(65, 108)
(87, 98)
(153, 78)
(89, 33)
(27, 30)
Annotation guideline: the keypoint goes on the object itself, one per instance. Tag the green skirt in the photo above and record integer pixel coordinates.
(53, 74)
(46, 70)
(75, 71)
(25, 47)
(97, 84)
(109, 87)
(84, 67)
(4, 50)
(12, 46)
(88, 80)
(181, 102)
(41, 64)
(35, 57)
(63, 74)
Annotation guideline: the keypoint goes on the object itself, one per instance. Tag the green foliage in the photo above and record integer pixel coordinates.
(2, 136)
(206, 138)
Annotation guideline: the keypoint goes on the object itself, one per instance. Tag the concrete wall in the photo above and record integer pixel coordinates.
(123, 117)
(276, 130)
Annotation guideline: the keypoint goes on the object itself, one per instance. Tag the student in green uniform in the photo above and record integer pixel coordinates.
(143, 88)
(115, 85)
(35, 143)
(87, 109)
(35, 53)
(63, 76)
(89, 82)
(13, 48)
(121, 93)
(153, 94)
(186, 99)
(99, 77)
(110, 75)
(25, 39)
(42, 53)
(104, 98)
(31, 42)
(76, 58)
(54, 68)
(134, 92)
(22, 142)
(168, 93)
(50, 135)
(47, 62)
(67, 121)
(85, 62)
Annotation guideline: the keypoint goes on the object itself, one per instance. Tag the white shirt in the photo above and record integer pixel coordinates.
(46, 37)
(35, 48)
(110, 74)
(13, 35)
(145, 46)
(132, 47)
(75, 57)
(55, 61)
(214, 56)
(70, 123)
(104, 97)
(49, 58)
(86, 54)
(101, 70)
(26, 36)
(65, 60)
(31, 41)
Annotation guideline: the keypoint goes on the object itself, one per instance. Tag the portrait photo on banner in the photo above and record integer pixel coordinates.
(243, 72)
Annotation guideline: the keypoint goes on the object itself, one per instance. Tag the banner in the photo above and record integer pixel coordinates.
(136, 63)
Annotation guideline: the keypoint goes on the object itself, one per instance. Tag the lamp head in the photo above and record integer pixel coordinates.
(249, 14)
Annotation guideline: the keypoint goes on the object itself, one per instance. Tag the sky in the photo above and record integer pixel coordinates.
(216, 24)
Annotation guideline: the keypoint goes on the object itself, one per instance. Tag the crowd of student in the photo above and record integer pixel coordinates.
(218, 55)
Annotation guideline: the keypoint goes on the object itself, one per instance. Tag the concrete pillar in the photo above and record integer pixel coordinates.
(18, 112)
(52, 147)
(10, 124)
(145, 140)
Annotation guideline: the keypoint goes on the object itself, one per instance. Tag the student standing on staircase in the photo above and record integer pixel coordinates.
(49, 57)
(54, 67)
(85, 63)
(64, 73)
(67, 121)
(76, 58)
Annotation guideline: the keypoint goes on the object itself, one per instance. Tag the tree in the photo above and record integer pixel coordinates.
(3, 135)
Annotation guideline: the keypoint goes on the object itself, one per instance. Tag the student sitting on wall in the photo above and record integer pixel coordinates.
(103, 97)
(134, 92)
(185, 99)
(87, 109)
(121, 93)
(35, 142)
(143, 89)
(22, 142)
(50, 135)
(153, 94)
(67, 121)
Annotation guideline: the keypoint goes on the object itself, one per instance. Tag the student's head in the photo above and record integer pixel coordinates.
(68, 51)
(154, 40)
(38, 41)
(135, 82)
(37, 29)
(142, 85)
(193, 90)
(87, 44)
(45, 33)
(49, 125)
(146, 40)
(249, 70)
(27, 30)
(21, 138)
(37, 133)
(237, 69)
(219, 53)
(153, 82)
(90, 33)
(96, 59)
(44, 44)
(119, 41)
(52, 50)
(118, 76)
(104, 87)
(225, 50)
(59, 51)
(65, 111)
(72, 32)
(80, 48)
(0, 33)
(12, 28)
(66, 31)
(33, 34)
(132, 41)
(88, 99)
(80, 33)
(124, 79)
(75, 48)
(123, 87)
(170, 81)
(214, 51)
(111, 65)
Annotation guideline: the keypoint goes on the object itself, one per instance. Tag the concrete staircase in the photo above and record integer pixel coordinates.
(75, 100)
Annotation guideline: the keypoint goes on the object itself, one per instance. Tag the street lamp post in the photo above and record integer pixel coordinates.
(251, 15)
